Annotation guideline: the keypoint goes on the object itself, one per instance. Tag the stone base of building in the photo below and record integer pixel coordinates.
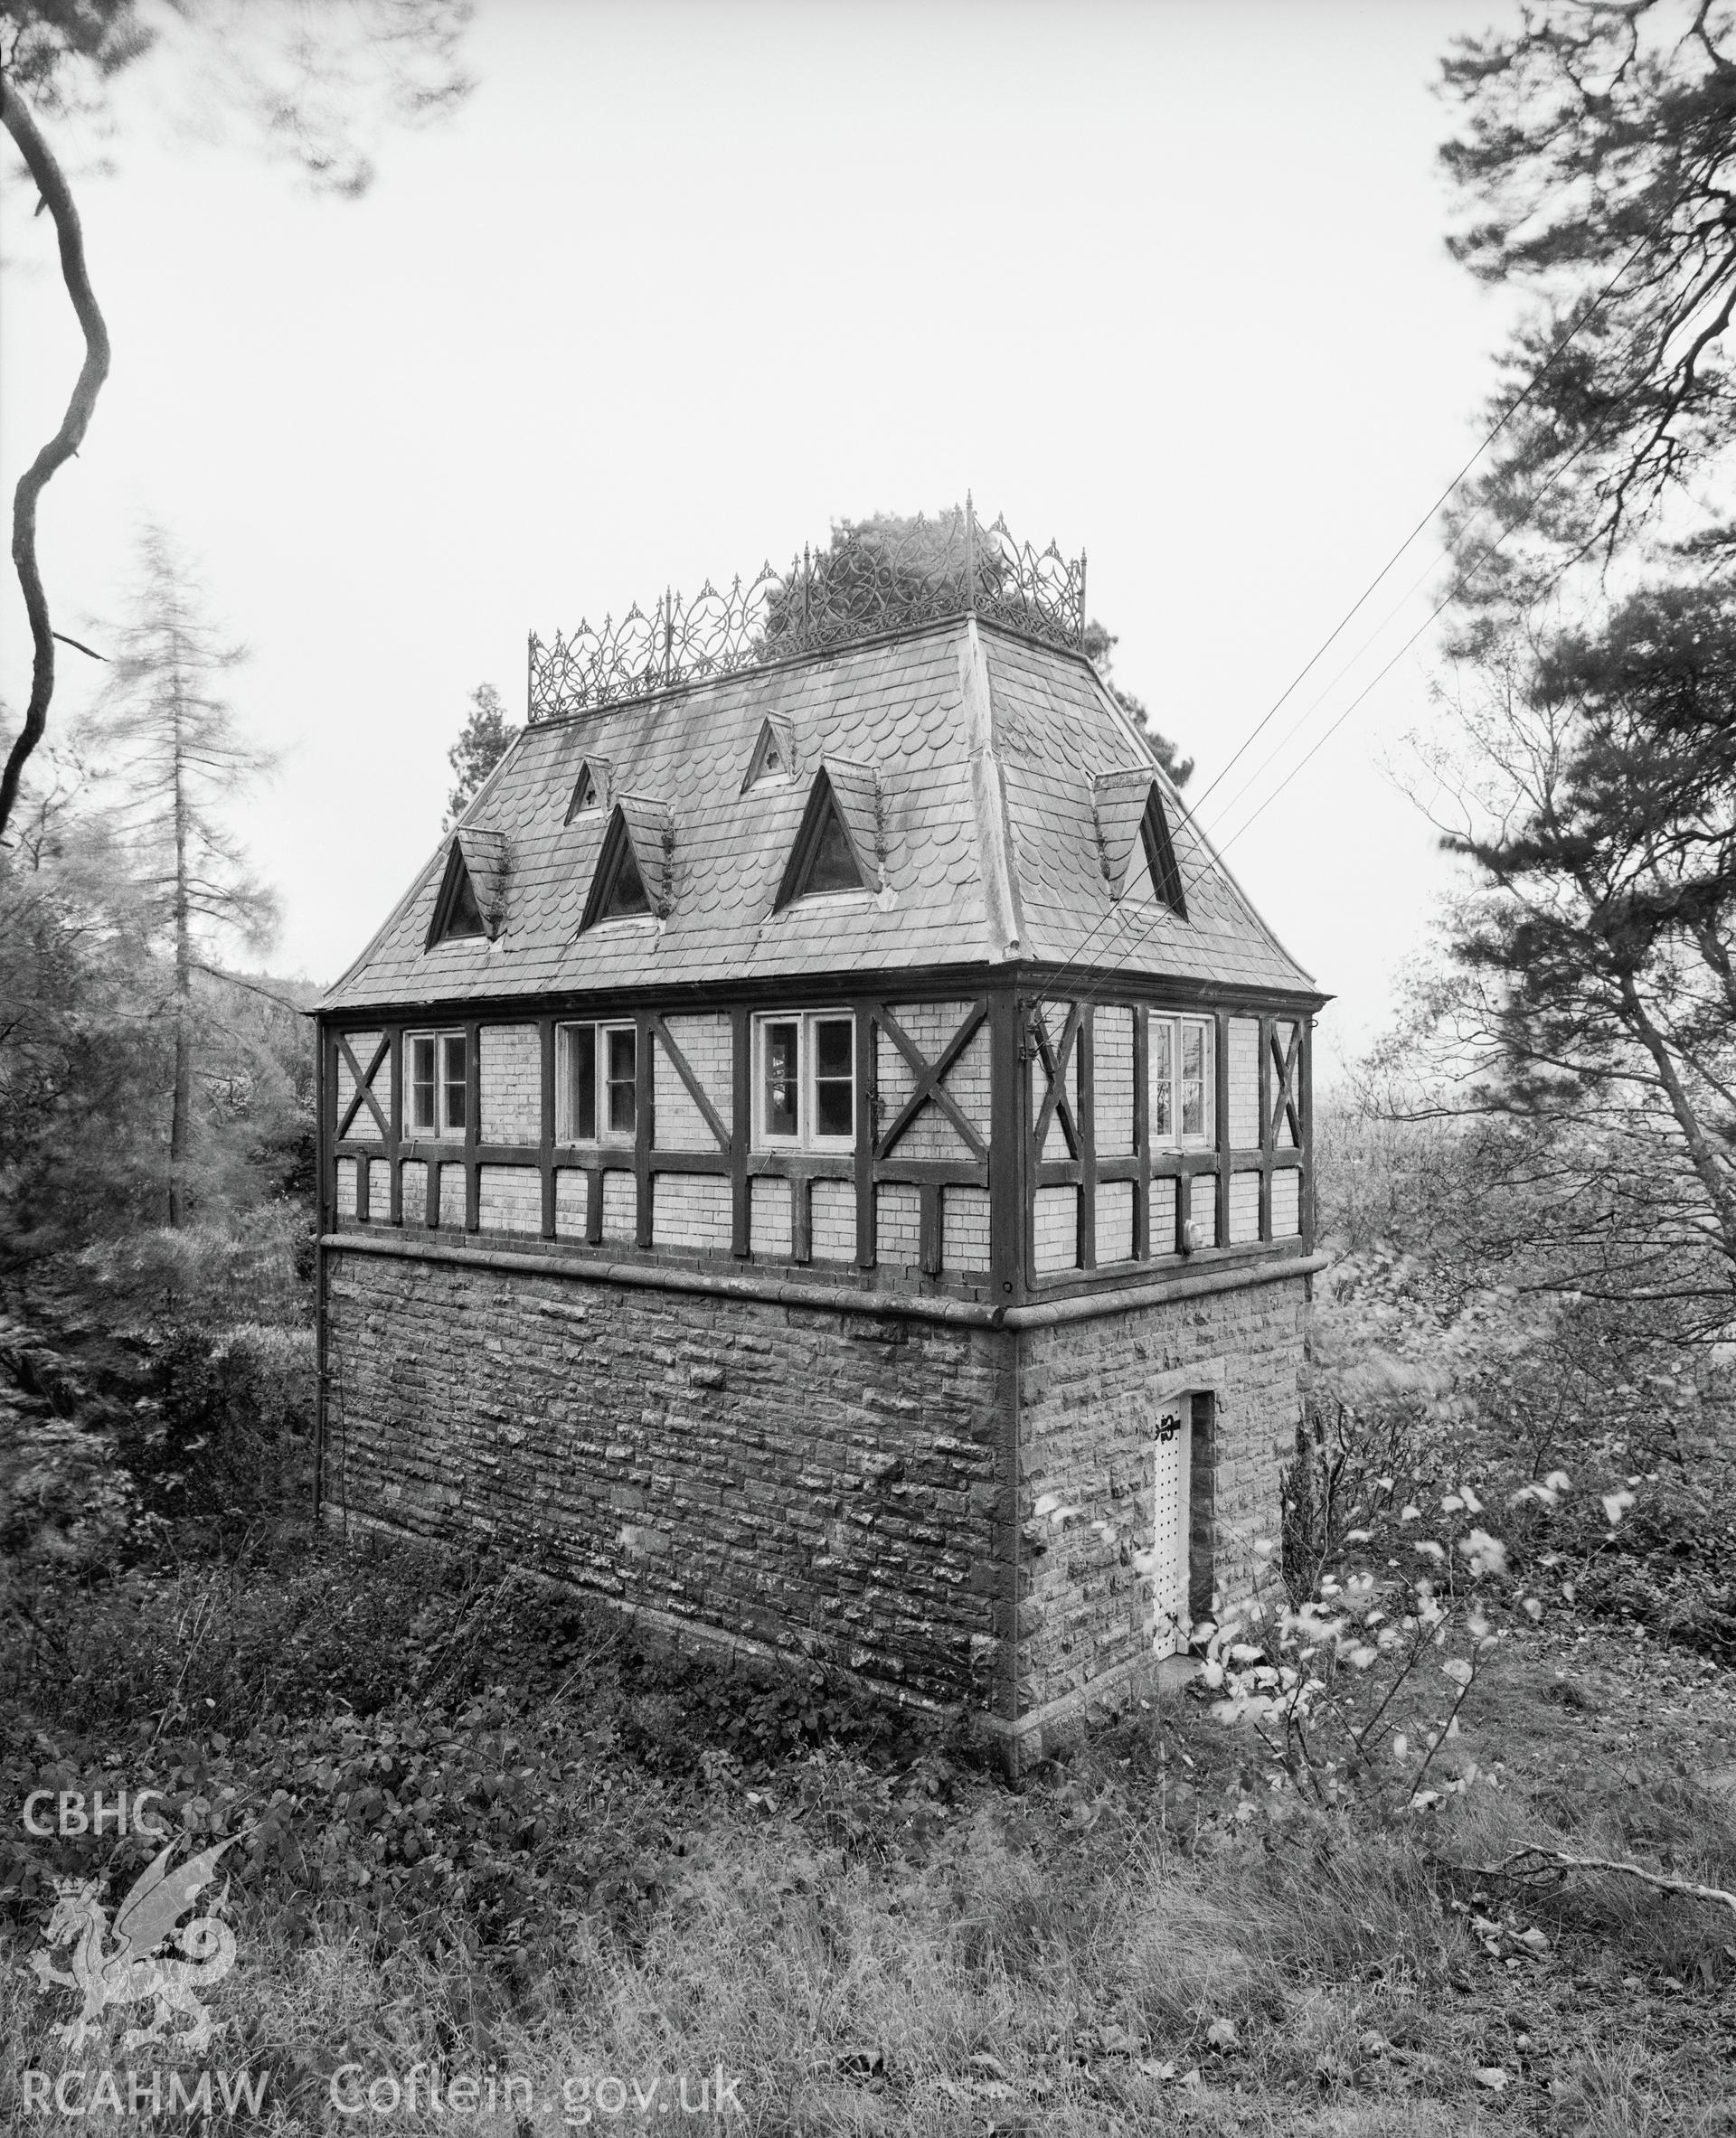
(953, 1517)
(1019, 1745)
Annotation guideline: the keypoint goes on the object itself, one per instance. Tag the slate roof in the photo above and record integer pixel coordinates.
(1120, 799)
(855, 791)
(975, 753)
(774, 747)
(651, 826)
(594, 776)
(488, 859)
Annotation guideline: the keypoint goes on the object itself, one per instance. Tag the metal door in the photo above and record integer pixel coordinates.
(1170, 1525)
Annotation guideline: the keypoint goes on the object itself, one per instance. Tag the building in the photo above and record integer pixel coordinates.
(820, 1156)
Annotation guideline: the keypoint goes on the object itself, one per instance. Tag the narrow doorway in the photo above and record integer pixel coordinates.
(1171, 1526)
(1183, 1523)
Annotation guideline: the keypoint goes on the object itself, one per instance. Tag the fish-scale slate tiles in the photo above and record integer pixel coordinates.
(896, 707)
(1050, 713)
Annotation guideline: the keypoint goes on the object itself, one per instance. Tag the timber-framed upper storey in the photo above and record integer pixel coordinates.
(957, 1005)
(1008, 1142)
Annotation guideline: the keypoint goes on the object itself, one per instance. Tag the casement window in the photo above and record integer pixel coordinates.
(805, 1080)
(1182, 1084)
(434, 1081)
(596, 1083)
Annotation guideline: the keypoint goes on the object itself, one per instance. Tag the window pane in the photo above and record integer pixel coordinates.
(627, 893)
(1196, 1078)
(623, 1055)
(831, 1047)
(452, 1077)
(578, 1084)
(421, 1082)
(585, 1055)
(834, 867)
(1161, 1034)
(833, 1085)
(781, 1067)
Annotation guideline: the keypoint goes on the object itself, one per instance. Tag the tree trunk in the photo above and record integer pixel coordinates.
(1701, 1156)
(57, 198)
(181, 1114)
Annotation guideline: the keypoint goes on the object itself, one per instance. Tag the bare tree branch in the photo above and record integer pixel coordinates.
(50, 184)
(1561, 1860)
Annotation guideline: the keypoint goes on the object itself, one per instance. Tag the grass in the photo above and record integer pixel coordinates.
(488, 1836)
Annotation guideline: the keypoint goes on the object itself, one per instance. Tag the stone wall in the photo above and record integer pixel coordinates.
(1086, 1410)
(821, 1483)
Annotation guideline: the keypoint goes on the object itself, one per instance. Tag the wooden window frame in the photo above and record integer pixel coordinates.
(807, 1138)
(456, 884)
(760, 772)
(437, 1131)
(589, 795)
(1160, 856)
(603, 1137)
(794, 887)
(618, 841)
(1178, 1139)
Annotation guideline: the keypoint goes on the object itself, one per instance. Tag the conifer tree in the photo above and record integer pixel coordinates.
(162, 735)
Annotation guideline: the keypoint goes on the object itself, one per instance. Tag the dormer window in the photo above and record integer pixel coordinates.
(1160, 856)
(631, 881)
(625, 898)
(834, 849)
(457, 912)
(833, 866)
(774, 754)
(589, 790)
(1132, 830)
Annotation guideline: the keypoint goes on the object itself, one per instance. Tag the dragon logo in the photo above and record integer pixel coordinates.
(130, 1970)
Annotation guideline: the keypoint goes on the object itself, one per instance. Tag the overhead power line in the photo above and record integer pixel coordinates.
(1507, 415)
(1555, 354)
(1215, 851)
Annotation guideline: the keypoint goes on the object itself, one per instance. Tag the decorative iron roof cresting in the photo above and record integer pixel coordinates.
(874, 582)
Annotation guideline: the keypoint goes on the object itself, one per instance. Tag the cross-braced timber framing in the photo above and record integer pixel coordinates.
(1042, 1052)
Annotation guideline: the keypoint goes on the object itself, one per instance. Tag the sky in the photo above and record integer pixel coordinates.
(681, 285)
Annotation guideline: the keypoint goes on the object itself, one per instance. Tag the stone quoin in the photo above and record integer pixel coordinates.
(821, 1160)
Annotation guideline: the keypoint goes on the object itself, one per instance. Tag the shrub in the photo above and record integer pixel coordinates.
(229, 1434)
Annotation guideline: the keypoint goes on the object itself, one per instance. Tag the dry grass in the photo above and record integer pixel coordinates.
(1147, 1938)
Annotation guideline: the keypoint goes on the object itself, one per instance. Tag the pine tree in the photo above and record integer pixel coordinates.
(1604, 936)
(1593, 159)
(161, 732)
